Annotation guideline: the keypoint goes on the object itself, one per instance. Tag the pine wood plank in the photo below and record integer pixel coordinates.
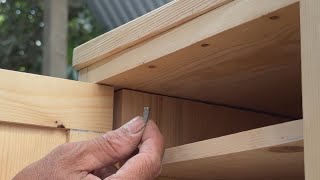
(21, 145)
(251, 46)
(310, 46)
(154, 23)
(79, 135)
(52, 102)
(184, 121)
(273, 152)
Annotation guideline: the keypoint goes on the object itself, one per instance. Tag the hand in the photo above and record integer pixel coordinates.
(95, 159)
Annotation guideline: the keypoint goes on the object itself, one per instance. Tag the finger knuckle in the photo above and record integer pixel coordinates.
(112, 143)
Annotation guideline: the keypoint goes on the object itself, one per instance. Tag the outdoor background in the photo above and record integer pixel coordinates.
(22, 25)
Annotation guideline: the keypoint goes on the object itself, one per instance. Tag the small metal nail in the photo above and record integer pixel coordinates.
(146, 113)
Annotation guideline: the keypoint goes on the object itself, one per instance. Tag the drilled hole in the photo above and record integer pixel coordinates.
(274, 17)
(152, 66)
(205, 45)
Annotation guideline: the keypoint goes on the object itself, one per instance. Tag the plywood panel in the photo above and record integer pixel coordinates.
(252, 47)
(147, 26)
(22, 145)
(273, 152)
(310, 46)
(183, 121)
(52, 102)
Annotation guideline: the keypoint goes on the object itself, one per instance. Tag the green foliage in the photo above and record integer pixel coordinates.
(21, 31)
(20, 35)
(82, 28)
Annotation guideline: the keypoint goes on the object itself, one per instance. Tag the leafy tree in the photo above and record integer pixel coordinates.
(21, 31)
(21, 27)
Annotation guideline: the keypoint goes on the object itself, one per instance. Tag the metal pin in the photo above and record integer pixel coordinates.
(146, 113)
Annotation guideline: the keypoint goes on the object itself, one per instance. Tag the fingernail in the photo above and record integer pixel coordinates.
(135, 125)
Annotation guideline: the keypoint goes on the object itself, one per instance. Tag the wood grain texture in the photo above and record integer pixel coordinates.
(273, 152)
(310, 47)
(52, 102)
(22, 145)
(183, 121)
(78, 135)
(151, 24)
(250, 46)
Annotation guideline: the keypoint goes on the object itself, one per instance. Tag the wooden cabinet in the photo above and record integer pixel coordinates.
(233, 85)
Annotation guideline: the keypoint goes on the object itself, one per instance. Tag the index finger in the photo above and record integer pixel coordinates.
(146, 165)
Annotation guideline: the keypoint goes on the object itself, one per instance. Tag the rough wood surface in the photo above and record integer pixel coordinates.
(52, 102)
(147, 26)
(273, 152)
(22, 145)
(310, 47)
(252, 47)
(183, 121)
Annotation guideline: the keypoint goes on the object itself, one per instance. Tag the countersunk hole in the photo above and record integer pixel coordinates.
(205, 45)
(274, 17)
(56, 122)
(287, 149)
(61, 126)
(152, 66)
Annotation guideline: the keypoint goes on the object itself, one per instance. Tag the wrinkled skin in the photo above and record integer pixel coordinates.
(95, 159)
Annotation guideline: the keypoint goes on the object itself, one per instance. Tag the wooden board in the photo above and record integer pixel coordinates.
(22, 145)
(252, 47)
(274, 152)
(52, 102)
(141, 29)
(183, 121)
(79, 135)
(310, 46)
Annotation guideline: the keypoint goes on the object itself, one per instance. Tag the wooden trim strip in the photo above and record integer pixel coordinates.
(141, 29)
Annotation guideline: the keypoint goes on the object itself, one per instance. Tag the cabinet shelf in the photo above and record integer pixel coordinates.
(250, 46)
(273, 152)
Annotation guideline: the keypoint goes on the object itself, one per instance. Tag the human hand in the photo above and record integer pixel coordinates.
(95, 159)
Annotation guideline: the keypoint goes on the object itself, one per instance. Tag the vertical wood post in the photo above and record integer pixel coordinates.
(55, 38)
(310, 47)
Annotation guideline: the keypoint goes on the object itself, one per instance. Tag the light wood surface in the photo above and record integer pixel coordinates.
(52, 102)
(79, 135)
(273, 152)
(248, 46)
(22, 145)
(141, 29)
(183, 121)
(310, 47)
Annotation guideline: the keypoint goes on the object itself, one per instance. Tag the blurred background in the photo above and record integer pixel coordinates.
(38, 36)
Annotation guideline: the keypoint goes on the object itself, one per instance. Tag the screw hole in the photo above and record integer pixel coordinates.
(205, 45)
(274, 17)
(152, 66)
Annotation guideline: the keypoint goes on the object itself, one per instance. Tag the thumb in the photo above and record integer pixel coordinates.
(112, 146)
